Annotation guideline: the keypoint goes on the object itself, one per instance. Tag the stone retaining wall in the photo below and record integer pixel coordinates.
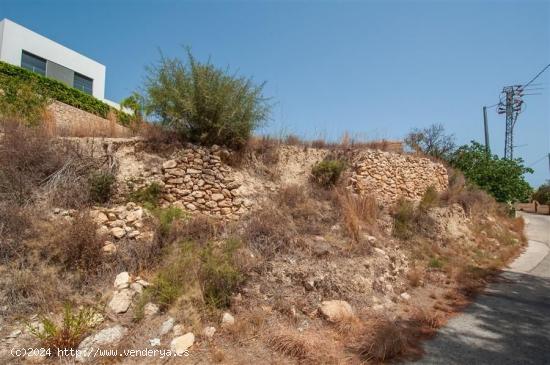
(71, 121)
(390, 176)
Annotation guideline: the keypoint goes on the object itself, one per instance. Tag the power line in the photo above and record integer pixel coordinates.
(539, 160)
(536, 76)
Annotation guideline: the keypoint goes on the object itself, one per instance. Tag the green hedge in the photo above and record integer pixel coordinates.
(56, 90)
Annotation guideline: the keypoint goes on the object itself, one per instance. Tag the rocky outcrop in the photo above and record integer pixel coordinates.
(390, 176)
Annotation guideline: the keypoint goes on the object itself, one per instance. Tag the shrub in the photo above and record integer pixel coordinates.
(327, 172)
(205, 104)
(502, 178)
(432, 141)
(166, 217)
(382, 341)
(435, 263)
(78, 247)
(149, 195)
(74, 327)
(403, 219)
(198, 228)
(269, 231)
(212, 269)
(101, 186)
(429, 200)
(219, 275)
(542, 195)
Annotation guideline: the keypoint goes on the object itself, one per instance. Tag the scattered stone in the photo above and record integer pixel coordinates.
(180, 344)
(150, 309)
(405, 296)
(154, 342)
(118, 232)
(209, 331)
(109, 247)
(336, 310)
(178, 329)
(104, 337)
(122, 280)
(14, 334)
(136, 287)
(166, 326)
(132, 234)
(227, 320)
(121, 301)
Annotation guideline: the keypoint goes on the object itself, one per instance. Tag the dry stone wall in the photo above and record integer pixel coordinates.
(71, 121)
(390, 176)
(195, 179)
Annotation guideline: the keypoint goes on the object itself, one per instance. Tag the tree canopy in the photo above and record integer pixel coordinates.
(502, 178)
(203, 103)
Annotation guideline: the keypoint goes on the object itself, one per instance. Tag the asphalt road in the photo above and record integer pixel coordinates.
(510, 322)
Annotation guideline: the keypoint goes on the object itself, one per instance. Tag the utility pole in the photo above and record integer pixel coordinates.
(511, 107)
(486, 126)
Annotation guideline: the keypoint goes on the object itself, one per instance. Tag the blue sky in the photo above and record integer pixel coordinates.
(375, 69)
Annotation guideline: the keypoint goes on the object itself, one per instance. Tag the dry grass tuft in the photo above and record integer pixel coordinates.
(358, 213)
(269, 231)
(382, 340)
(292, 344)
(415, 276)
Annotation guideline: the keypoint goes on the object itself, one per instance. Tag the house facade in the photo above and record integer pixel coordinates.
(22, 47)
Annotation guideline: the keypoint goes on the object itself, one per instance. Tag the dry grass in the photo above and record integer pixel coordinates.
(358, 213)
(415, 276)
(382, 340)
(78, 248)
(93, 127)
(292, 343)
(199, 228)
(269, 231)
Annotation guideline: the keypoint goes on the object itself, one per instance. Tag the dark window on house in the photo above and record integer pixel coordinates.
(83, 83)
(33, 63)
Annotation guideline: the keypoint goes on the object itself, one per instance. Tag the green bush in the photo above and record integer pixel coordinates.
(219, 275)
(502, 178)
(327, 172)
(101, 184)
(211, 268)
(435, 263)
(542, 195)
(205, 104)
(149, 195)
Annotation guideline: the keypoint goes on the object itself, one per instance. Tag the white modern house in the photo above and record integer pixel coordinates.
(22, 47)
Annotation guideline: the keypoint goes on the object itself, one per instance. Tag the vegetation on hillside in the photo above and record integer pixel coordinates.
(502, 178)
(205, 104)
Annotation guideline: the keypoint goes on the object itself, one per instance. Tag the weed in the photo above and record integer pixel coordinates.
(68, 335)
(101, 186)
(357, 212)
(327, 172)
(429, 200)
(148, 196)
(435, 263)
(269, 231)
(383, 340)
(404, 216)
(291, 343)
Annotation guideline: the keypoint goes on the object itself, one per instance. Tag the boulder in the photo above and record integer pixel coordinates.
(180, 344)
(336, 310)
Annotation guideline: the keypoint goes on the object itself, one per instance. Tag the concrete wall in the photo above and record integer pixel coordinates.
(15, 38)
